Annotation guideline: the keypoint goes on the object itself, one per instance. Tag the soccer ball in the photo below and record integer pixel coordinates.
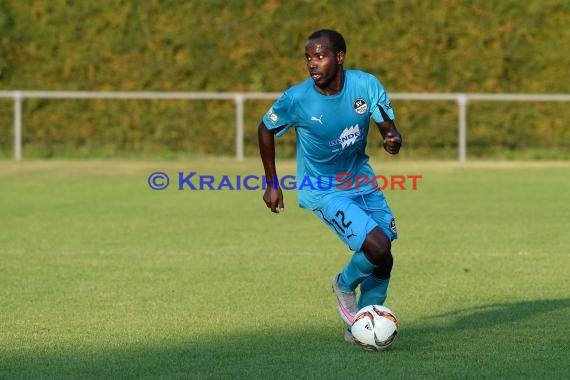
(375, 327)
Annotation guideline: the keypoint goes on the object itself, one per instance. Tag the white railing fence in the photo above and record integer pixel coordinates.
(462, 100)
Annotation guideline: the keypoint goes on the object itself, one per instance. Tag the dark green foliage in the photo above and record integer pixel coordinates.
(413, 46)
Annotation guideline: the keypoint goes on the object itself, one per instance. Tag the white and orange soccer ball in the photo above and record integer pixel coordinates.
(375, 328)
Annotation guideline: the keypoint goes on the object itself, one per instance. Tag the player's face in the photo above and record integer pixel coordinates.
(323, 64)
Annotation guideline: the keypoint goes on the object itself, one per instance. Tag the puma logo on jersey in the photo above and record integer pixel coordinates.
(319, 119)
(347, 137)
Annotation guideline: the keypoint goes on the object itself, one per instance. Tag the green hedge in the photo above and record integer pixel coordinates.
(413, 46)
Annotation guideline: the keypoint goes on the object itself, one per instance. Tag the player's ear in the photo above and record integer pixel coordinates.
(340, 57)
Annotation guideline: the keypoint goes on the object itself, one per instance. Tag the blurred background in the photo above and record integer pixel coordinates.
(448, 46)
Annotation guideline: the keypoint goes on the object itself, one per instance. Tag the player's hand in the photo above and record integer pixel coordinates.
(273, 198)
(392, 143)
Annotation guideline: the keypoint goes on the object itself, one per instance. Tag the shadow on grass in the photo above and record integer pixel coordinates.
(314, 351)
(489, 318)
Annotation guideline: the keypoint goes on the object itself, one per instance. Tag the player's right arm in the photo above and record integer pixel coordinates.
(273, 196)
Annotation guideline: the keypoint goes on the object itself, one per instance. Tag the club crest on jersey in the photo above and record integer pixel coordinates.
(360, 106)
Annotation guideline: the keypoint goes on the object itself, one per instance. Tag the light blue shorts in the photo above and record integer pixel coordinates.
(352, 218)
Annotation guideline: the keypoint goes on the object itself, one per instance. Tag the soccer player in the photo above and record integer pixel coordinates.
(330, 112)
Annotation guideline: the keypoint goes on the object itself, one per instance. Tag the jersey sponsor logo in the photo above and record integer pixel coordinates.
(272, 116)
(360, 106)
(347, 137)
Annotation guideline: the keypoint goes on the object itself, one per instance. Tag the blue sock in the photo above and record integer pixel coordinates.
(373, 291)
(357, 269)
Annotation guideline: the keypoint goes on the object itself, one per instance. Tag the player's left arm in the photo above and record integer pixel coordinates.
(392, 138)
(383, 115)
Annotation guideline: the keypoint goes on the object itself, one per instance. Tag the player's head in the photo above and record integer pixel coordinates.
(336, 39)
(325, 51)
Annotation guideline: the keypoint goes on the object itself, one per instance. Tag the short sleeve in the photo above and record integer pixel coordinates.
(281, 115)
(381, 109)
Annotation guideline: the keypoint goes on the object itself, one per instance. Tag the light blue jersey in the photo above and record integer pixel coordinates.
(331, 134)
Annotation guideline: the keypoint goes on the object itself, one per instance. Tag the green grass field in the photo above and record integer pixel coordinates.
(102, 277)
